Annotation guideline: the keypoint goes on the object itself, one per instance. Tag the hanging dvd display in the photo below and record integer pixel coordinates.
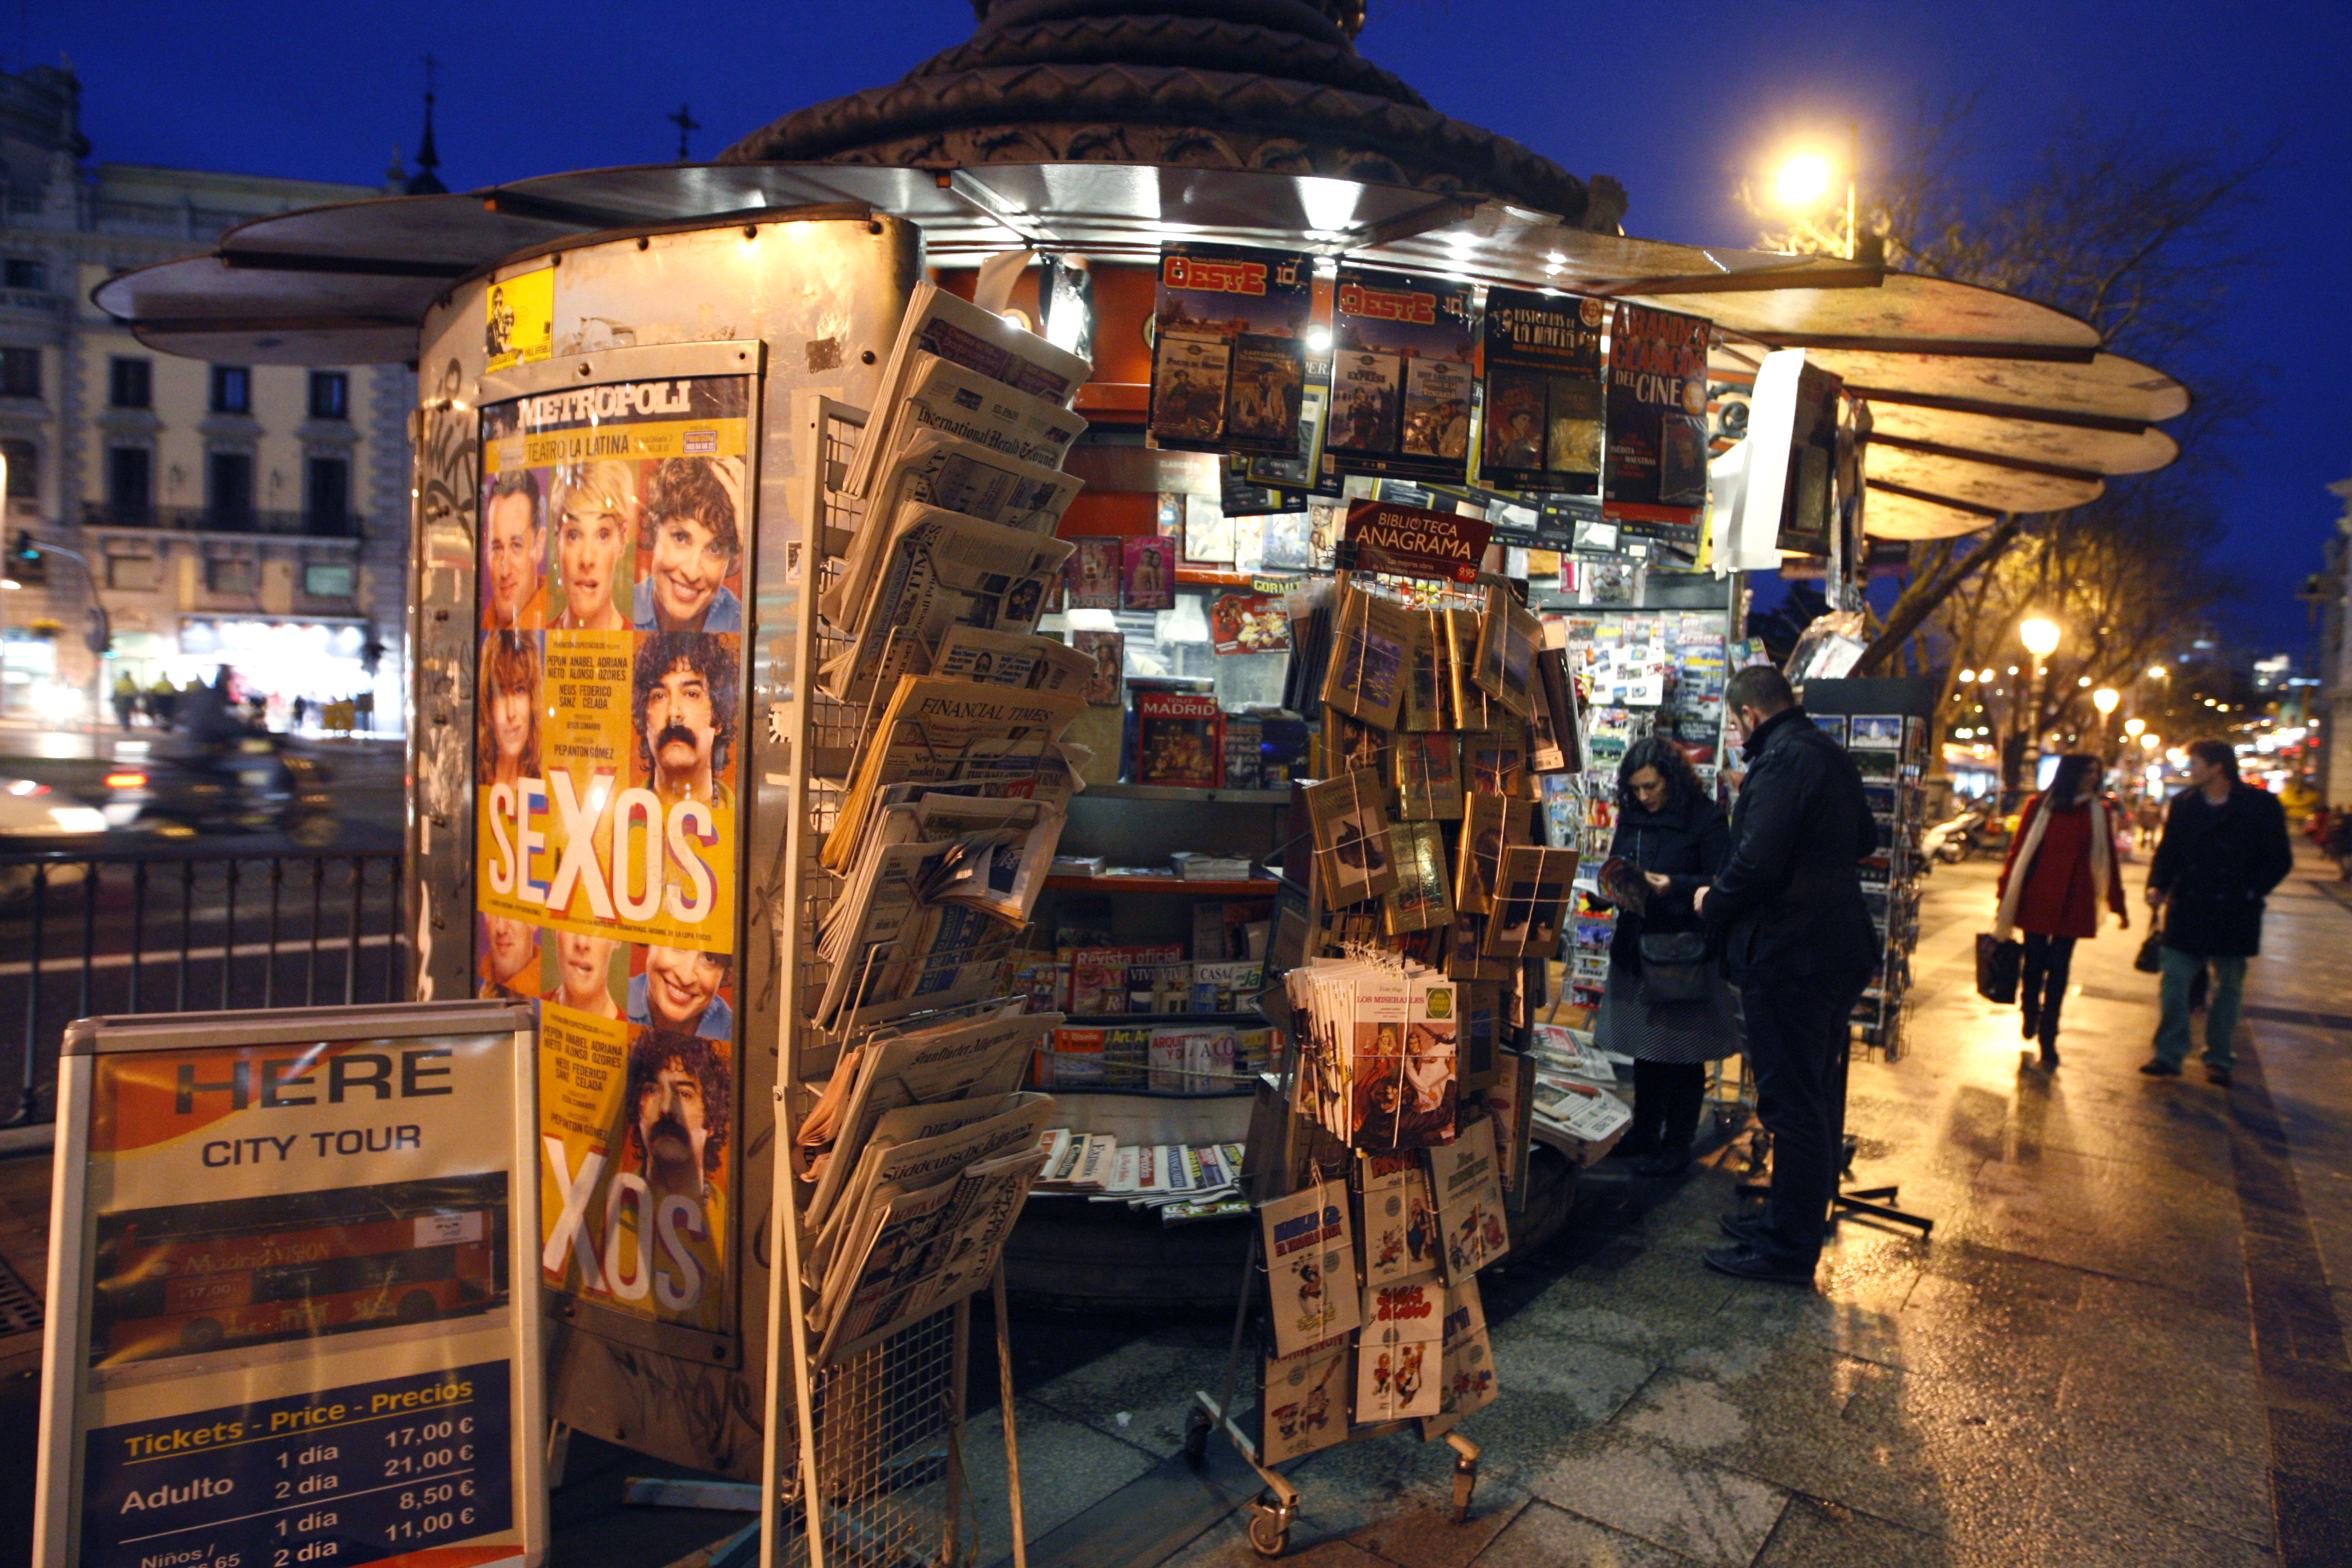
(1542, 425)
(1229, 348)
(1655, 468)
(1400, 372)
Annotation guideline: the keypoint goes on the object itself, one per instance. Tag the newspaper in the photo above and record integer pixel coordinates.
(938, 325)
(984, 1057)
(889, 1166)
(941, 393)
(926, 732)
(889, 945)
(956, 475)
(1010, 659)
(940, 569)
(946, 1247)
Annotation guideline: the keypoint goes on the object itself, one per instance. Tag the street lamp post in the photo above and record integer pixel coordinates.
(2041, 639)
(2105, 699)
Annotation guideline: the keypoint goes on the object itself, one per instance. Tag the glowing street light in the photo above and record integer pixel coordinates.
(1804, 182)
(2151, 740)
(2040, 637)
(2105, 699)
(2134, 726)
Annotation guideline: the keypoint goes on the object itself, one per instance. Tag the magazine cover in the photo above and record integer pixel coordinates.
(1287, 546)
(1310, 1269)
(1655, 470)
(1467, 1178)
(1306, 1400)
(1469, 1375)
(1374, 1066)
(1249, 623)
(1109, 650)
(1543, 392)
(1229, 361)
(1350, 823)
(1400, 1222)
(1148, 572)
(1398, 1352)
(1093, 574)
(1179, 740)
(1401, 363)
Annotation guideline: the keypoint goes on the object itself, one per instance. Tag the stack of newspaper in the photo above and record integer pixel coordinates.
(960, 469)
(913, 1165)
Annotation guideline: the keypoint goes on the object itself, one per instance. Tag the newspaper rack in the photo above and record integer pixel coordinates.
(865, 1457)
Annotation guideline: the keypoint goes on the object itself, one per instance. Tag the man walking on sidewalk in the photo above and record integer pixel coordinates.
(2225, 846)
(1797, 941)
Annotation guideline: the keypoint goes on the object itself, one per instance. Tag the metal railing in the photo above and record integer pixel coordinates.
(175, 926)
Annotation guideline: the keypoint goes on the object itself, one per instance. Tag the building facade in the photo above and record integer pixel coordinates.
(252, 515)
(2330, 590)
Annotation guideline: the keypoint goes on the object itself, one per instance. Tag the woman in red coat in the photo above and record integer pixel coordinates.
(2062, 856)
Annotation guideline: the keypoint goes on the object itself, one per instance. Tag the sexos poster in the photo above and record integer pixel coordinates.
(1654, 481)
(1401, 374)
(1543, 393)
(1229, 354)
(615, 521)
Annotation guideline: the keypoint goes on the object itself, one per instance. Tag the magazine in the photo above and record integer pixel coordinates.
(1467, 1178)
(1179, 740)
(1105, 654)
(1092, 577)
(1399, 1221)
(1311, 1267)
(1469, 1377)
(1399, 1351)
(1229, 370)
(1400, 366)
(1187, 388)
(1306, 1400)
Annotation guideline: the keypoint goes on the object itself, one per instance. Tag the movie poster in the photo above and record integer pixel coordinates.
(1229, 354)
(609, 829)
(1655, 471)
(1543, 429)
(1401, 372)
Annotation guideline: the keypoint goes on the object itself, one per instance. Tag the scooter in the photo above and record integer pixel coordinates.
(253, 782)
(1954, 839)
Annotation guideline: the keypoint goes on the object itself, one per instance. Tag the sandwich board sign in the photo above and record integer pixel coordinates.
(294, 1314)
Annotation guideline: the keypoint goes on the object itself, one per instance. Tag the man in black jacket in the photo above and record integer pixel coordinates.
(2224, 847)
(1797, 941)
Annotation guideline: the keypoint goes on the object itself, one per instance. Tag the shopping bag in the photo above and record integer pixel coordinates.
(1998, 963)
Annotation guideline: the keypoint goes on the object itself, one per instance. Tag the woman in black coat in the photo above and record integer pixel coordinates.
(1678, 838)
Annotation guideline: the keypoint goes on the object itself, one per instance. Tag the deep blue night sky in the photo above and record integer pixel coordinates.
(1676, 101)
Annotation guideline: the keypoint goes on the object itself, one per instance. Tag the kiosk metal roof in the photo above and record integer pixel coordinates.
(1981, 402)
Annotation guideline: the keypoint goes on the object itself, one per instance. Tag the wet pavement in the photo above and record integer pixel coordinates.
(2123, 1342)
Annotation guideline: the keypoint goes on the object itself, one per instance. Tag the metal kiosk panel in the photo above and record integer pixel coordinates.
(291, 1315)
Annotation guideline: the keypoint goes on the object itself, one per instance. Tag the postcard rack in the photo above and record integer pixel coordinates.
(865, 1459)
(1287, 1152)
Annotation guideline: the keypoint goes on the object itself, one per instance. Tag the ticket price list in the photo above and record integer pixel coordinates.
(342, 1476)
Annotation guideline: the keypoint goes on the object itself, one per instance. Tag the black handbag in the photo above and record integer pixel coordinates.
(1674, 966)
(1998, 965)
(2151, 953)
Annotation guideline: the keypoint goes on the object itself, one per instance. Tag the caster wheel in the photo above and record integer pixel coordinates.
(1268, 1536)
(1196, 1438)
